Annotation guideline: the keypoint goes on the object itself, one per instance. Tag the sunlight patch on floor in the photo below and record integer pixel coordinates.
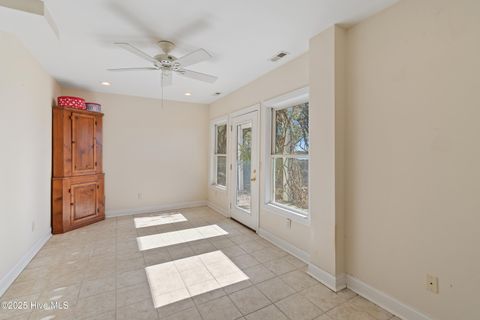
(188, 277)
(178, 237)
(143, 222)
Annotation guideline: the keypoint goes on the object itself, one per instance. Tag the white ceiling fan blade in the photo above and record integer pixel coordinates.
(135, 51)
(197, 75)
(166, 78)
(194, 57)
(133, 69)
(32, 6)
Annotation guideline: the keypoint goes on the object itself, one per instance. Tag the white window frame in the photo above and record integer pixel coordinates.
(213, 156)
(284, 101)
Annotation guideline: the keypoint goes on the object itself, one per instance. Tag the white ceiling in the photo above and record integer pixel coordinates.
(241, 36)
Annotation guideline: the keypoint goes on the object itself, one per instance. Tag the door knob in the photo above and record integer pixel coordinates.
(254, 178)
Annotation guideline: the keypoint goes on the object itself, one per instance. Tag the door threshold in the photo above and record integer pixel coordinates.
(243, 225)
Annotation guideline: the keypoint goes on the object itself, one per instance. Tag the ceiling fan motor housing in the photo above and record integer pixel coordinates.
(166, 61)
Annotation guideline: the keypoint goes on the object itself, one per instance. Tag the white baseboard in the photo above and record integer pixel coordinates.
(285, 245)
(156, 208)
(220, 209)
(385, 301)
(15, 271)
(335, 283)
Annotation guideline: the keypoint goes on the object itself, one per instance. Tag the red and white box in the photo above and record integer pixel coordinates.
(71, 102)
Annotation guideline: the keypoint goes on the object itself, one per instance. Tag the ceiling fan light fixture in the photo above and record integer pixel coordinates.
(188, 94)
(105, 83)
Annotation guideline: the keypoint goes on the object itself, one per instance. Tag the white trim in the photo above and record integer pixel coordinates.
(217, 208)
(285, 245)
(241, 112)
(156, 208)
(286, 213)
(291, 98)
(14, 272)
(288, 99)
(249, 114)
(335, 283)
(384, 300)
(211, 151)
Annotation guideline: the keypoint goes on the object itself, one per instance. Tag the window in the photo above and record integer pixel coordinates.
(289, 158)
(220, 155)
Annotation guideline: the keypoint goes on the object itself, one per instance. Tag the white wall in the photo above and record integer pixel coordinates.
(26, 93)
(286, 78)
(158, 152)
(413, 154)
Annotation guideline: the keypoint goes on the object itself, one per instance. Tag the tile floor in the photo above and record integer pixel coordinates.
(192, 264)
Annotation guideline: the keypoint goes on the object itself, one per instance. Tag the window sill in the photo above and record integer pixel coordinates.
(290, 214)
(217, 187)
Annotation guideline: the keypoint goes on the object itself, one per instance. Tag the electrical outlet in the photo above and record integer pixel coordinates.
(139, 196)
(432, 283)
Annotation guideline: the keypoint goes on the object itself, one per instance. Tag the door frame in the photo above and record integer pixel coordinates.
(256, 147)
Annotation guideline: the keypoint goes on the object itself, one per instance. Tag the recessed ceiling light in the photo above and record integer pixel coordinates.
(188, 94)
(105, 83)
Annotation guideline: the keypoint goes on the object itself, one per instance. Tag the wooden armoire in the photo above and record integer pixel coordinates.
(78, 197)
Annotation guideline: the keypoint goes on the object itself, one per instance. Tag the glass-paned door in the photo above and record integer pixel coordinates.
(245, 168)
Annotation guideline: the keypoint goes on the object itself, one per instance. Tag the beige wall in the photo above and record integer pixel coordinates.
(413, 154)
(288, 77)
(327, 127)
(158, 152)
(26, 93)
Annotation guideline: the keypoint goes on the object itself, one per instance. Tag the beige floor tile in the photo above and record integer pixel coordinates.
(142, 310)
(298, 308)
(258, 273)
(279, 266)
(233, 251)
(267, 254)
(188, 314)
(268, 313)
(97, 286)
(208, 296)
(347, 312)
(298, 280)
(179, 252)
(93, 305)
(135, 294)
(363, 304)
(131, 278)
(237, 286)
(275, 289)
(219, 309)
(68, 295)
(245, 261)
(172, 308)
(326, 299)
(249, 300)
(130, 265)
(101, 272)
(12, 311)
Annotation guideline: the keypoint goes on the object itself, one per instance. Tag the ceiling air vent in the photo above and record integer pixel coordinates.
(278, 56)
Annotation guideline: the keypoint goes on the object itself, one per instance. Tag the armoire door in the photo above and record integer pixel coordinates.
(84, 202)
(83, 144)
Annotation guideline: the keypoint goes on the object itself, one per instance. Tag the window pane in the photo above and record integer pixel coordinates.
(290, 182)
(221, 170)
(221, 139)
(244, 155)
(291, 130)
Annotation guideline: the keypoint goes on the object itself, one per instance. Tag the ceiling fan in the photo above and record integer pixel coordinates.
(168, 64)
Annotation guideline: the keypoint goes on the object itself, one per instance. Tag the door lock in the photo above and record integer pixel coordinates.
(254, 178)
